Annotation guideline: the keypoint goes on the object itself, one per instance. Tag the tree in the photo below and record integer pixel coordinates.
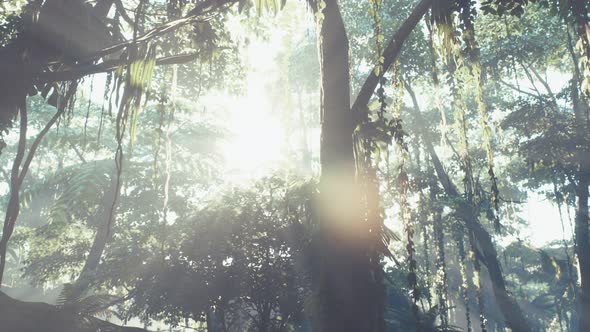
(347, 284)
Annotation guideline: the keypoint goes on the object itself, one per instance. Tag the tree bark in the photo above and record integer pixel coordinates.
(343, 271)
(346, 293)
(582, 123)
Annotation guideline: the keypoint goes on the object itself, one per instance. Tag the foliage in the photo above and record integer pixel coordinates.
(244, 255)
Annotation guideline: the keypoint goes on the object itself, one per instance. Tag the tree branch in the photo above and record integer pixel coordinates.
(123, 12)
(530, 94)
(544, 84)
(60, 111)
(445, 180)
(390, 54)
(203, 12)
(103, 67)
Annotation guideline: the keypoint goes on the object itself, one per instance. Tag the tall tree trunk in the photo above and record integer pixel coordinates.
(345, 290)
(581, 110)
(101, 238)
(343, 270)
(513, 315)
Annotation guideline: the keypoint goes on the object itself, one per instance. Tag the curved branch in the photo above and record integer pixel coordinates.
(510, 309)
(13, 202)
(201, 13)
(390, 54)
(60, 111)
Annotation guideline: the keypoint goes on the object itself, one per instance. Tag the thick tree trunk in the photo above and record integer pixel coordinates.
(344, 300)
(582, 125)
(346, 293)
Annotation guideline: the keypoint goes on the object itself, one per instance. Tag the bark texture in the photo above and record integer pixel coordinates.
(343, 295)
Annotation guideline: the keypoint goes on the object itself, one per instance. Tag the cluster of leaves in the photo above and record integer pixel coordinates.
(503, 7)
(244, 254)
(10, 21)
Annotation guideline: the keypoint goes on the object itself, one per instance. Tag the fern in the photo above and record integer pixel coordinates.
(72, 301)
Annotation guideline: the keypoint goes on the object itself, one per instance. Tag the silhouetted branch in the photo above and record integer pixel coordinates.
(103, 67)
(390, 54)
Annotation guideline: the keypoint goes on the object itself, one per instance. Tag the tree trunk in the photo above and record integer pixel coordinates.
(582, 124)
(215, 319)
(13, 206)
(344, 302)
(344, 285)
(513, 315)
(101, 238)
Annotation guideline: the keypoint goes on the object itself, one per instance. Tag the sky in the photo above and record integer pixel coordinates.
(544, 221)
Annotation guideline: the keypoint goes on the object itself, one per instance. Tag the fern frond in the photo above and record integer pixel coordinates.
(68, 296)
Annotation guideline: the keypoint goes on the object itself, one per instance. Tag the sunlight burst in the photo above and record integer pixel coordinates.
(257, 140)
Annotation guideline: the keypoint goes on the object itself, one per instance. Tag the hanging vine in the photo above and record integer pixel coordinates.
(465, 279)
(378, 35)
(465, 65)
(403, 182)
(473, 61)
(435, 80)
(135, 79)
(382, 132)
(168, 161)
(367, 147)
(423, 218)
(372, 138)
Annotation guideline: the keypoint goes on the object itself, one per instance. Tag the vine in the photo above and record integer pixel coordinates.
(473, 62)
(403, 183)
(465, 282)
(435, 79)
(135, 77)
(465, 66)
(168, 162)
(378, 35)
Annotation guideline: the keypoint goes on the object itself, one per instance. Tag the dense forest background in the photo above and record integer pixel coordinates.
(272, 165)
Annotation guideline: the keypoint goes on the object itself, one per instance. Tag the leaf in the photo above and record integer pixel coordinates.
(243, 4)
